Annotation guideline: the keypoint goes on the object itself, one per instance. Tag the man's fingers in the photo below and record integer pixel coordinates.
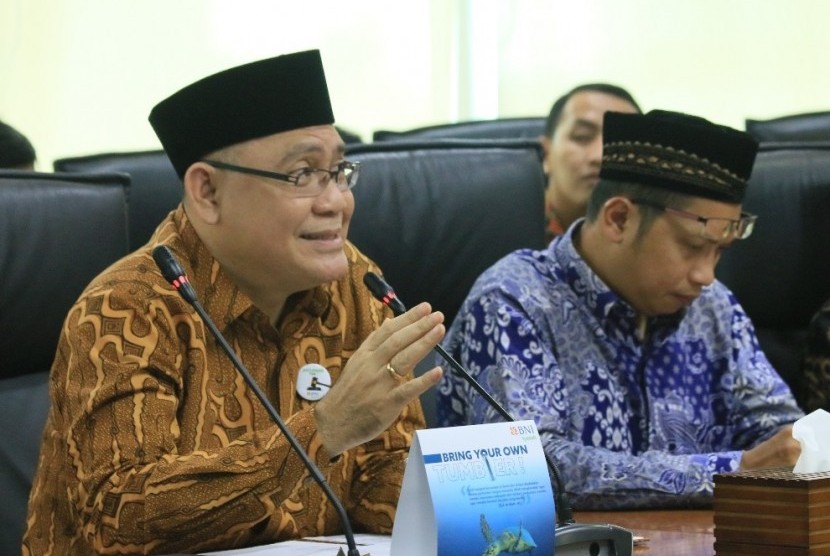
(408, 391)
(405, 340)
(394, 325)
(405, 359)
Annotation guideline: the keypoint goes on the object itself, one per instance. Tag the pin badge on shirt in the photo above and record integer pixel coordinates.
(313, 382)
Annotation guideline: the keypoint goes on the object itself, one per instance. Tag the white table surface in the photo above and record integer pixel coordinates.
(374, 545)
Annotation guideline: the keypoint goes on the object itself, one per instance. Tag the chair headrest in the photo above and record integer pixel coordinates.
(57, 232)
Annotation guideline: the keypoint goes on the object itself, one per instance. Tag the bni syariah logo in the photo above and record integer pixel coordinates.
(525, 431)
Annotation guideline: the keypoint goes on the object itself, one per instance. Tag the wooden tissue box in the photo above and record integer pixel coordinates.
(772, 512)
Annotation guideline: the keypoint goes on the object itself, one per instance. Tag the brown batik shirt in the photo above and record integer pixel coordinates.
(155, 444)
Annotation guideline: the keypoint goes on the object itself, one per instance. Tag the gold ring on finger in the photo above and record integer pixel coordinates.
(393, 372)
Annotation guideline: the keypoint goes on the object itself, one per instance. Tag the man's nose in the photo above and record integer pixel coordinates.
(703, 272)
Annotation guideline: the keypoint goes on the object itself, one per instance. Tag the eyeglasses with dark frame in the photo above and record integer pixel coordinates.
(305, 184)
(715, 229)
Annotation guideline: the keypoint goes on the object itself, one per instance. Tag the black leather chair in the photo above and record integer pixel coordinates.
(155, 189)
(57, 231)
(814, 126)
(781, 274)
(435, 214)
(504, 128)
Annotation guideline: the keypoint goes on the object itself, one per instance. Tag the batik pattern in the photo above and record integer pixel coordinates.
(631, 422)
(154, 444)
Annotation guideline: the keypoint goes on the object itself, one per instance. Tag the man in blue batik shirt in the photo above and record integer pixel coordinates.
(642, 372)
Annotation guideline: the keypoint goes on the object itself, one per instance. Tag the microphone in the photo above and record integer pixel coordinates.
(175, 274)
(570, 537)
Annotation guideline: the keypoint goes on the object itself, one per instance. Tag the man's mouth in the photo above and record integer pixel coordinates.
(324, 235)
(687, 299)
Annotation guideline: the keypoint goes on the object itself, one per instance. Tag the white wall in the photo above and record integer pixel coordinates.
(726, 60)
(80, 76)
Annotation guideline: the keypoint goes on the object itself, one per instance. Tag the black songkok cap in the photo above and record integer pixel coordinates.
(246, 102)
(675, 151)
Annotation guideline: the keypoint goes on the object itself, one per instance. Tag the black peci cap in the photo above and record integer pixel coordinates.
(677, 151)
(242, 103)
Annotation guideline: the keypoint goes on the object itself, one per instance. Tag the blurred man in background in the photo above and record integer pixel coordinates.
(572, 146)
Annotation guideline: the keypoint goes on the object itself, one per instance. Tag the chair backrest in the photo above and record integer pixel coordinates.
(435, 214)
(57, 231)
(505, 128)
(155, 189)
(814, 126)
(781, 274)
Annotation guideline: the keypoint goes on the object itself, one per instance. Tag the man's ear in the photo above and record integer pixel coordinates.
(200, 192)
(617, 218)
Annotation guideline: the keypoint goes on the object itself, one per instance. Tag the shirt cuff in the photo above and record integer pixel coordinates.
(304, 426)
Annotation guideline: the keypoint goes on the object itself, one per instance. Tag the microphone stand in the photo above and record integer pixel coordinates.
(570, 537)
(174, 273)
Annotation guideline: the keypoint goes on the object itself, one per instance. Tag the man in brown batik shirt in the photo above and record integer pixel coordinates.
(154, 443)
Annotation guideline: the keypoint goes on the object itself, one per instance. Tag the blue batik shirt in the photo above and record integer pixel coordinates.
(633, 418)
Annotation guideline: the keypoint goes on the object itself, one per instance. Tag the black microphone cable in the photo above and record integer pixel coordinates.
(175, 274)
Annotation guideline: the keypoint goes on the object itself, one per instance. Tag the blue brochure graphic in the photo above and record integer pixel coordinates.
(478, 490)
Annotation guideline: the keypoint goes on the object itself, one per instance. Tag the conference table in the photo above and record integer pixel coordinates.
(675, 532)
(657, 532)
